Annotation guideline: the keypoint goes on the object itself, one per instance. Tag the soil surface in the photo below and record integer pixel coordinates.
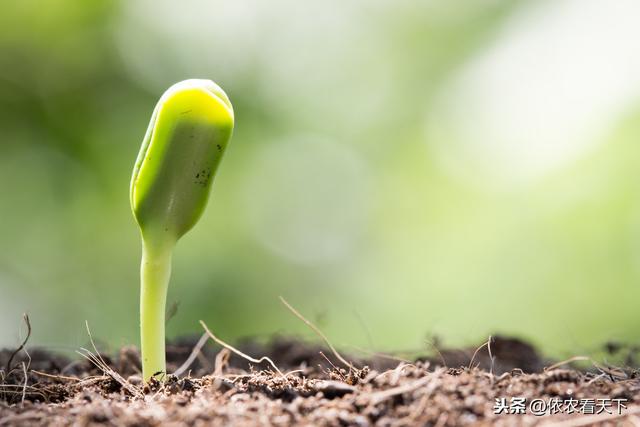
(503, 383)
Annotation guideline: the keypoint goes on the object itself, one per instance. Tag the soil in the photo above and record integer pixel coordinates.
(312, 387)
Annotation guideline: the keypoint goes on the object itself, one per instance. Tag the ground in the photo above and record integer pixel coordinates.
(312, 387)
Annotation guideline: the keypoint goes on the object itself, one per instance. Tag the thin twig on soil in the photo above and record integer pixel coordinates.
(222, 358)
(55, 377)
(328, 360)
(239, 353)
(564, 362)
(97, 360)
(381, 396)
(475, 353)
(397, 371)
(25, 317)
(194, 354)
(318, 332)
(491, 357)
(395, 378)
(85, 382)
(615, 374)
(22, 391)
(24, 386)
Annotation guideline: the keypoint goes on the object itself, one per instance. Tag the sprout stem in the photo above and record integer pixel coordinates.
(185, 140)
(155, 272)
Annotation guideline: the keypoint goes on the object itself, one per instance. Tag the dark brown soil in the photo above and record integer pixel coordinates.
(449, 388)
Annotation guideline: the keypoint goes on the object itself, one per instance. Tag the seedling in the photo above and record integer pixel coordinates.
(186, 138)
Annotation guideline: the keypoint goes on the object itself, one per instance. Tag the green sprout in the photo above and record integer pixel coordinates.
(186, 138)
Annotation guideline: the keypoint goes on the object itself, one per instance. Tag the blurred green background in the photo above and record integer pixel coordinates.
(399, 170)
